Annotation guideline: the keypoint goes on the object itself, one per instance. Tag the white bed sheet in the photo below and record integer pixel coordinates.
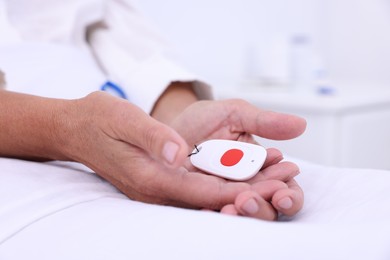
(63, 211)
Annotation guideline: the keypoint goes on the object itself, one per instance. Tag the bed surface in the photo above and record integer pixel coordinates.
(64, 211)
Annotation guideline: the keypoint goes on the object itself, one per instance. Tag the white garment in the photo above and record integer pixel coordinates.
(125, 46)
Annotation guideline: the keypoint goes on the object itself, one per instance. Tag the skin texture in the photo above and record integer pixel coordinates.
(146, 157)
(197, 121)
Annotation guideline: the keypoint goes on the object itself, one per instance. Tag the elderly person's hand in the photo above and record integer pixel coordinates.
(271, 191)
(146, 159)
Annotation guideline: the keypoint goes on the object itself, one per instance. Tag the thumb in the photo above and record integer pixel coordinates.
(161, 142)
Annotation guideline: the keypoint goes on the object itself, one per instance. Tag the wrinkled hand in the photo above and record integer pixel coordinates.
(274, 189)
(142, 157)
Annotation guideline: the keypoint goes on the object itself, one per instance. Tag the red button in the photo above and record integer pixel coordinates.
(231, 157)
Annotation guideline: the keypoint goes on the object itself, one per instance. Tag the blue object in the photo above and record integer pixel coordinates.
(114, 88)
(326, 91)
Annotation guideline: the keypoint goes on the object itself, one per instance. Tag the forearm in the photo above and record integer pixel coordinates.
(173, 101)
(29, 126)
(38, 128)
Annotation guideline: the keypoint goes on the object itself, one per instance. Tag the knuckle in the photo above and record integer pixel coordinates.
(236, 103)
(152, 134)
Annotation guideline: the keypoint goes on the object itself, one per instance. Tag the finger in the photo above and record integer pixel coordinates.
(283, 171)
(267, 188)
(132, 125)
(159, 140)
(229, 209)
(289, 201)
(267, 124)
(193, 189)
(207, 210)
(250, 204)
(247, 138)
(197, 190)
(274, 156)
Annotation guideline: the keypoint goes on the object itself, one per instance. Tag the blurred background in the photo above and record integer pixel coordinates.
(326, 60)
(229, 41)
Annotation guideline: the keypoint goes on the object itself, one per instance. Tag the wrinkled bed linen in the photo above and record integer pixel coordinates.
(64, 211)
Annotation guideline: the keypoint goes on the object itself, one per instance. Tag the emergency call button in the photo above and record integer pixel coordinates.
(231, 157)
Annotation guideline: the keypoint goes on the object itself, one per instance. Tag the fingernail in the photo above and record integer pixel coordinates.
(285, 203)
(169, 151)
(250, 207)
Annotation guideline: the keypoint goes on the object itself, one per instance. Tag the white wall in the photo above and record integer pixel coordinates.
(225, 40)
(358, 41)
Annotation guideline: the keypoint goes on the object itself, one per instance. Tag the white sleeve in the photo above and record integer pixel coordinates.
(134, 56)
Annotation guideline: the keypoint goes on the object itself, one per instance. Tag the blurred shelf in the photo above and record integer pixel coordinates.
(350, 129)
(332, 103)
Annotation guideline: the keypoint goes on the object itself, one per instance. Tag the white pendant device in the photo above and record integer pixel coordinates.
(228, 159)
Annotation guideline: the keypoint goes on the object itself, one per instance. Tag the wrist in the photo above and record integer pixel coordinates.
(173, 101)
(65, 129)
